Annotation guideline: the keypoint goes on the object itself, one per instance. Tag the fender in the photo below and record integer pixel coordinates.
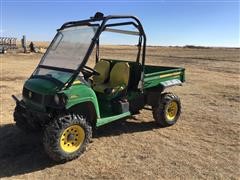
(153, 94)
(81, 93)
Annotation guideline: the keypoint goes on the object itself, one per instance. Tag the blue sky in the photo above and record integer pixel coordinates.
(169, 22)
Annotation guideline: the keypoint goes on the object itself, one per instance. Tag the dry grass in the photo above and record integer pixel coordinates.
(203, 144)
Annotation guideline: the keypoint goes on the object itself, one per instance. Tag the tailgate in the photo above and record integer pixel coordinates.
(155, 76)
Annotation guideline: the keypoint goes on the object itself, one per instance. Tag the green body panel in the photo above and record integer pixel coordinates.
(41, 86)
(155, 75)
(109, 119)
(81, 93)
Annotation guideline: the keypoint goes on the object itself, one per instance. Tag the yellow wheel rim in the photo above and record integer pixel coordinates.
(172, 110)
(72, 138)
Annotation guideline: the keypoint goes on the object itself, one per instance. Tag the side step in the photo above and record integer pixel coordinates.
(105, 120)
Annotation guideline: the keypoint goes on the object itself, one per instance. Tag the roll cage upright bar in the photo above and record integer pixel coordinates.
(100, 17)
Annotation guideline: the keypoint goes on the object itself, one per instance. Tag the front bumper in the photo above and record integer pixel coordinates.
(33, 117)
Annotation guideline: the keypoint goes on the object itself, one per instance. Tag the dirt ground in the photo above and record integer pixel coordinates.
(204, 144)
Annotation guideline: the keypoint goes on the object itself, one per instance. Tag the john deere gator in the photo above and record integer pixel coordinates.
(66, 99)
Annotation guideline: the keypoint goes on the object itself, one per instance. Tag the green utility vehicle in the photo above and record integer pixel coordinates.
(66, 99)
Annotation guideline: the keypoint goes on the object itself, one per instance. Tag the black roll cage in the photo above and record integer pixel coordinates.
(95, 40)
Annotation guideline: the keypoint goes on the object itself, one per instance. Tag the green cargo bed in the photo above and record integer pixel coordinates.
(155, 76)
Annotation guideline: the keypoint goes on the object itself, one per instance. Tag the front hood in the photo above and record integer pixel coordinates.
(42, 86)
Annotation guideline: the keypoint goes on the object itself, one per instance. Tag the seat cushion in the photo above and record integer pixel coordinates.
(105, 88)
(100, 87)
(119, 74)
(118, 82)
(103, 68)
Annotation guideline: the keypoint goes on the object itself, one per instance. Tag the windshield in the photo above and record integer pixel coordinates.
(67, 51)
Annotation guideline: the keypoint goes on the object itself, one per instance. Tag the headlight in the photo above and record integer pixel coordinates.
(60, 99)
(56, 99)
(64, 99)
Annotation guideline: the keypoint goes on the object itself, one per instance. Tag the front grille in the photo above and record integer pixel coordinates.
(49, 100)
(35, 97)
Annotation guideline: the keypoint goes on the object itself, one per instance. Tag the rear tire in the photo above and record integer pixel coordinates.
(66, 137)
(168, 110)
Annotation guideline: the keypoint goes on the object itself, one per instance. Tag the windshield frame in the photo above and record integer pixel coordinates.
(40, 65)
(102, 24)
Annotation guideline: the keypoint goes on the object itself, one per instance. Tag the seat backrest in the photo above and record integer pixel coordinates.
(120, 74)
(103, 68)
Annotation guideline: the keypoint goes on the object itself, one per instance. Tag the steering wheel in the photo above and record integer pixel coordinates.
(88, 72)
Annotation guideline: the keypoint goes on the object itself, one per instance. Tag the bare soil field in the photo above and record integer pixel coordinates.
(204, 144)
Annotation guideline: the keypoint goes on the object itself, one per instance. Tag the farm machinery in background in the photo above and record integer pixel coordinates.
(7, 43)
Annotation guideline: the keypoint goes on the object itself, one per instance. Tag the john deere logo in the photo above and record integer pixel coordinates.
(30, 94)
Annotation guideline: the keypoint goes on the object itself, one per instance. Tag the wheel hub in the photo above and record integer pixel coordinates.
(72, 138)
(172, 110)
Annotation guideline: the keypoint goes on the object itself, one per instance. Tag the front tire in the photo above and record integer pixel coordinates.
(66, 137)
(168, 110)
